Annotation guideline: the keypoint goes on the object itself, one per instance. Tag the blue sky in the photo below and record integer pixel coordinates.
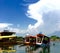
(13, 11)
(30, 16)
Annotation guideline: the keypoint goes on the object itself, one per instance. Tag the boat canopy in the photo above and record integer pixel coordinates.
(30, 36)
(6, 33)
(42, 35)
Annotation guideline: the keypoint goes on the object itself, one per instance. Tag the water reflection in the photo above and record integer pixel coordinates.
(7, 49)
(37, 49)
(24, 49)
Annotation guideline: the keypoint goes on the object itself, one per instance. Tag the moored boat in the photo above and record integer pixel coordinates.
(30, 40)
(39, 40)
(7, 37)
(42, 40)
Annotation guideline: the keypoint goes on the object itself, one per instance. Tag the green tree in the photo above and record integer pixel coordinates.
(54, 37)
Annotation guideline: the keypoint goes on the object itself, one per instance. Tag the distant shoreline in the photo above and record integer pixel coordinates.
(55, 40)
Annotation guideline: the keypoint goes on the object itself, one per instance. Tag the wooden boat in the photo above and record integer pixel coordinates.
(39, 39)
(30, 40)
(7, 37)
(42, 40)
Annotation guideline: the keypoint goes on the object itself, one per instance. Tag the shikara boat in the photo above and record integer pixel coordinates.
(7, 38)
(39, 40)
(30, 40)
(42, 40)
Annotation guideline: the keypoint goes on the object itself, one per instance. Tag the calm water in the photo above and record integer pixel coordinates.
(31, 49)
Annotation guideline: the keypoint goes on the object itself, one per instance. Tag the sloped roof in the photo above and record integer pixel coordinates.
(40, 35)
(30, 36)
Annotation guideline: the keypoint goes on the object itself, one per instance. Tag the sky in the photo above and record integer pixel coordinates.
(30, 16)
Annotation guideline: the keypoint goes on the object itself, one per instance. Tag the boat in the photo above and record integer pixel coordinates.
(39, 40)
(7, 37)
(42, 40)
(30, 40)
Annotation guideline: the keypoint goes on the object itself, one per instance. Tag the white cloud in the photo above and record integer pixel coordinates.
(10, 27)
(13, 28)
(17, 30)
(46, 12)
(4, 25)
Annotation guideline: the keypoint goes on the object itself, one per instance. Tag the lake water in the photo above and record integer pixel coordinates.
(54, 48)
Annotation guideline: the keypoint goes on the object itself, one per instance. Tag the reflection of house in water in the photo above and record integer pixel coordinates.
(7, 49)
(7, 37)
(35, 49)
(43, 50)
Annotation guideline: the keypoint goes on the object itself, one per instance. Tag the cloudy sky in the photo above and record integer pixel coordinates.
(30, 16)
